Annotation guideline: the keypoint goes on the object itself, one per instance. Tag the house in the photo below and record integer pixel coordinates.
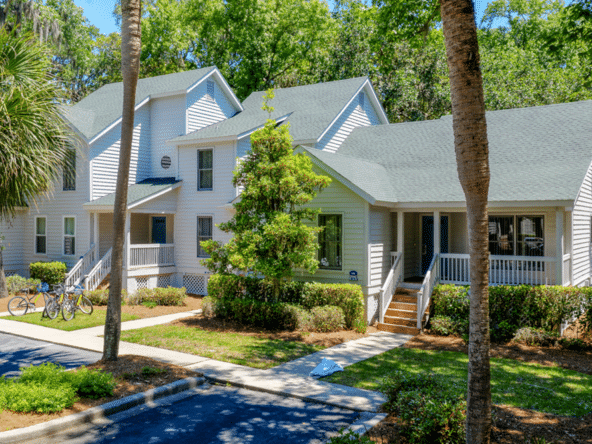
(394, 212)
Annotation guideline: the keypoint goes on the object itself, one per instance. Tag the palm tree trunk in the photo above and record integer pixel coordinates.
(130, 67)
(472, 158)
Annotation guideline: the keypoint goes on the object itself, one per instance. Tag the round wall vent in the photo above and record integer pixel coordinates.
(165, 162)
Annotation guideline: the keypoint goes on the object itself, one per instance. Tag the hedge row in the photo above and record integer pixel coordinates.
(51, 273)
(513, 307)
(156, 296)
(308, 295)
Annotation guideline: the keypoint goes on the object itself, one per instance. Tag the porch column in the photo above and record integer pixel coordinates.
(127, 240)
(96, 235)
(559, 245)
(400, 235)
(436, 232)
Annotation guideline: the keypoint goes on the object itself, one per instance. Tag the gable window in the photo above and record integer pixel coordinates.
(210, 90)
(361, 99)
(69, 236)
(330, 241)
(69, 171)
(40, 235)
(205, 176)
(204, 233)
(516, 235)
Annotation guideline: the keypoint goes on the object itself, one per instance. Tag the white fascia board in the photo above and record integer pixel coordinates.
(251, 131)
(220, 78)
(154, 196)
(377, 105)
(209, 140)
(110, 127)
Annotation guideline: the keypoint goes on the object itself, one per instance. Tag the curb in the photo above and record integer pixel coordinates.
(362, 425)
(95, 413)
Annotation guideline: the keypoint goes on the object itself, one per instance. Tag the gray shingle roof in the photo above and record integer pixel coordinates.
(137, 192)
(103, 107)
(536, 154)
(311, 109)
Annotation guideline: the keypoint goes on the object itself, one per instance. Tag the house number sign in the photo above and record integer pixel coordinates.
(353, 275)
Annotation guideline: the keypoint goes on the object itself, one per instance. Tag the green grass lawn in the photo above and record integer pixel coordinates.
(519, 384)
(229, 347)
(80, 320)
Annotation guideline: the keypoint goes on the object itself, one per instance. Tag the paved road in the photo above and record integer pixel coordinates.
(16, 352)
(215, 414)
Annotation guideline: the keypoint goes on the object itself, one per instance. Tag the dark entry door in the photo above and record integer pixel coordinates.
(158, 230)
(427, 240)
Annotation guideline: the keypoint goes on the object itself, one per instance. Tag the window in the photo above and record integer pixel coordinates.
(69, 236)
(69, 171)
(210, 90)
(361, 99)
(204, 170)
(516, 235)
(330, 256)
(41, 235)
(204, 233)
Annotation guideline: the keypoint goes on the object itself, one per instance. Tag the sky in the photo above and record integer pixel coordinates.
(100, 13)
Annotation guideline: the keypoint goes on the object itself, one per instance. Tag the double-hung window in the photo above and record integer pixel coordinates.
(330, 241)
(69, 236)
(204, 233)
(69, 171)
(40, 235)
(205, 170)
(516, 235)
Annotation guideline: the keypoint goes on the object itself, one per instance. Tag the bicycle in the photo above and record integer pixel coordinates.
(71, 305)
(19, 305)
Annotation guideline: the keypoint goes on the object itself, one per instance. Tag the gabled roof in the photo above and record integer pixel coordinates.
(138, 193)
(536, 154)
(309, 109)
(102, 108)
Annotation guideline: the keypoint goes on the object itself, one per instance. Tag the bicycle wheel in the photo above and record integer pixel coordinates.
(85, 305)
(68, 309)
(18, 306)
(52, 308)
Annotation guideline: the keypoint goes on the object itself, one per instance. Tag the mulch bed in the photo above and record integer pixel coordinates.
(126, 386)
(511, 424)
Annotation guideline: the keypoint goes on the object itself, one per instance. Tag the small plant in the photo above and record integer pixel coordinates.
(534, 337)
(152, 371)
(349, 437)
(442, 325)
(149, 304)
(327, 318)
(208, 307)
(16, 283)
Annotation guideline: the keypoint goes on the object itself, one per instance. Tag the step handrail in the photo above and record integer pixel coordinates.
(424, 296)
(76, 273)
(99, 271)
(392, 281)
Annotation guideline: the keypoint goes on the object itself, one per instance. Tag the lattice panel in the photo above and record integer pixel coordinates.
(8, 273)
(141, 282)
(164, 280)
(196, 284)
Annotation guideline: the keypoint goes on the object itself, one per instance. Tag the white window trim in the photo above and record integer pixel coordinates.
(35, 236)
(198, 246)
(343, 264)
(198, 179)
(68, 216)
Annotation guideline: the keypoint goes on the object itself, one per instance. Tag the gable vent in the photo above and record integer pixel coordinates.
(210, 89)
(361, 99)
(165, 162)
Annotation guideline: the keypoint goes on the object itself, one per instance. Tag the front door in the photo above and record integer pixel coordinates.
(159, 230)
(427, 240)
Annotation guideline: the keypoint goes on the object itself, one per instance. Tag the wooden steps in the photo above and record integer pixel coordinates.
(401, 314)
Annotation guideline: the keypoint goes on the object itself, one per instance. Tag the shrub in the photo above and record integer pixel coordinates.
(574, 344)
(431, 413)
(101, 297)
(502, 332)
(327, 318)
(442, 325)
(208, 306)
(349, 437)
(35, 397)
(50, 272)
(92, 383)
(159, 296)
(534, 336)
(272, 316)
(16, 283)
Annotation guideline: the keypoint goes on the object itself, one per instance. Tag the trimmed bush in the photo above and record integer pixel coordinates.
(51, 273)
(159, 296)
(268, 315)
(16, 283)
(101, 297)
(430, 413)
(327, 318)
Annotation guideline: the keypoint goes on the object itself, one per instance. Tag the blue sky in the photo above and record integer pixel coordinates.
(100, 13)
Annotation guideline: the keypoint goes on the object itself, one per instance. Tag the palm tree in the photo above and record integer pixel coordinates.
(472, 159)
(34, 139)
(130, 68)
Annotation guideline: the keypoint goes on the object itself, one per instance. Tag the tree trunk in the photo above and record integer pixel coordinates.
(472, 152)
(130, 67)
(3, 286)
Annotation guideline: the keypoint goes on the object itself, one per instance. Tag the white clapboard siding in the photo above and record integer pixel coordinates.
(581, 232)
(105, 155)
(167, 120)
(55, 206)
(354, 116)
(243, 147)
(167, 203)
(203, 110)
(13, 232)
(337, 199)
(192, 203)
(380, 242)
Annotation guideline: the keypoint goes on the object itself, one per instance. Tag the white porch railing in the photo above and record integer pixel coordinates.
(566, 269)
(503, 270)
(427, 287)
(99, 272)
(76, 273)
(146, 255)
(391, 283)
